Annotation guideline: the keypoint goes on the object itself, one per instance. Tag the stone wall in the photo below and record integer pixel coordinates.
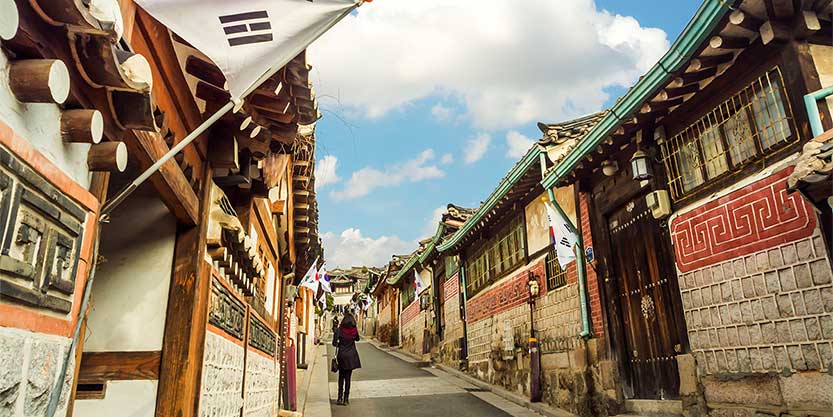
(757, 294)
(30, 364)
(222, 377)
(261, 385)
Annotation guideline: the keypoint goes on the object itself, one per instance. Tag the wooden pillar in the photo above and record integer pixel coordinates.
(180, 373)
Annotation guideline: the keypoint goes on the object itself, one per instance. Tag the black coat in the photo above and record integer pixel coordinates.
(348, 356)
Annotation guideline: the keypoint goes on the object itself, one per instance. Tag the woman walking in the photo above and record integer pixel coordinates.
(344, 340)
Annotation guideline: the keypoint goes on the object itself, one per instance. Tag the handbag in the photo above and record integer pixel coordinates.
(334, 363)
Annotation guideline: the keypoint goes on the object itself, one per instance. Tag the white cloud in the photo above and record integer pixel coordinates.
(431, 224)
(517, 144)
(441, 112)
(507, 64)
(367, 179)
(325, 171)
(447, 159)
(476, 147)
(351, 248)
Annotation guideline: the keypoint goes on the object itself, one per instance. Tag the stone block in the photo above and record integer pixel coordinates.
(767, 359)
(762, 260)
(775, 259)
(788, 254)
(11, 370)
(755, 336)
(797, 330)
(559, 360)
(787, 279)
(768, 330)
(772, 284)
(782, 360)
(758, 285)
(782, 330)
(738, 267)
(812, 302)
(743, 336)
(748, 288)
(826, 323)
(751, 265)
(785, 306)
(757, 311)
(826, 355)
(803, 278)
(45, 363)
(744, 362)
(728, 270)
(811, 356)
(726, 290)
(804, 249)
(798, 303)
(821, 272)
(808, 390)
(770, 308)
(749, 390)
(818, 246)
(827, 299)
(797, 357)
(732, 360)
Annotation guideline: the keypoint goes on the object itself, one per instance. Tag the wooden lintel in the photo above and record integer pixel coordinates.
(806, 24)
(169, 181)
(97, 367)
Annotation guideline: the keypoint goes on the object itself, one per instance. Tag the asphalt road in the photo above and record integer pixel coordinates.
(387, 386)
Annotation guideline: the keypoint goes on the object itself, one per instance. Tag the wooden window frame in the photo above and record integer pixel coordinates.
(715, 120)
(556, 276)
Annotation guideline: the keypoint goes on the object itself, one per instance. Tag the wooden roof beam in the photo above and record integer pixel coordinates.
(745, 20)
(205, 71)
(692, 77)
(727, 42)
(709, 61)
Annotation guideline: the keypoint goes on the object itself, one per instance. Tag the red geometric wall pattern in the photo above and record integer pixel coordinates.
(756, 217)
(410, 312)
(451, 287)
(509, 293)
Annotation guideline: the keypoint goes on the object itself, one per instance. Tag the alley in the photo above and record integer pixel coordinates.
(387, 386)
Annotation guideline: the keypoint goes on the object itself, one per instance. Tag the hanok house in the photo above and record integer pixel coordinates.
(715, 281)
(446, 298)
(416, 318)
(192, 267)
(503, 247)
(351, 287)
(387, 303)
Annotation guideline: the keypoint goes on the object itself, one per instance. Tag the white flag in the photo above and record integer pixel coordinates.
(247, 38)
(310, 278)
(419, 287)
(562, 237)
(325, 281)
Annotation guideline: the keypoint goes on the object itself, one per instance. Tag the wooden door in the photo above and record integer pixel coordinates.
(652, 322)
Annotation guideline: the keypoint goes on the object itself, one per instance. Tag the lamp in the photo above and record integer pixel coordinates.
(533, 286)
(641, 166)
(610, 168)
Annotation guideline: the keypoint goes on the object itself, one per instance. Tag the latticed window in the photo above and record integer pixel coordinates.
(556, 276)
(452, 264)
(408, 294)
(740, 130)
(496, 256)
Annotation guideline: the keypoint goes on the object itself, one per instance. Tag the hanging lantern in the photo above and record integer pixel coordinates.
(641, 166)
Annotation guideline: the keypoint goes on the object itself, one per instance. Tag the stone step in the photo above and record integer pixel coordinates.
(654, 408)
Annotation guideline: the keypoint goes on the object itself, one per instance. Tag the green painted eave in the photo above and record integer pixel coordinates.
(431, 248)
(505, 185)
(405, 268)
(693, 36)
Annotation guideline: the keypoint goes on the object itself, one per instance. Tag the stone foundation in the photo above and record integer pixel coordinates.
(29, 367)
(261, 385)
(222, 377)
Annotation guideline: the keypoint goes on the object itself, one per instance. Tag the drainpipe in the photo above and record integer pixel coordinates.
(581, 268)
(811, 103)
(464, 350)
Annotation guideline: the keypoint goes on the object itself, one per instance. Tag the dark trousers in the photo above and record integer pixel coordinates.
(344, 376)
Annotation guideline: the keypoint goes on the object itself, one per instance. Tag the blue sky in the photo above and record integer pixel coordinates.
(411, 90)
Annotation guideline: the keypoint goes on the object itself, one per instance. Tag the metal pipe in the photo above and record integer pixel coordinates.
(581, 269)
(811, 103)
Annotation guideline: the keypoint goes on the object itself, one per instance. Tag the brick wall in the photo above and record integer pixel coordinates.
(507, 293)
(413, 330)
(594, 301)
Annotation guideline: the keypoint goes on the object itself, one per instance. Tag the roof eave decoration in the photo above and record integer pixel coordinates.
(518, 171)
(693, 36)
(102, 63)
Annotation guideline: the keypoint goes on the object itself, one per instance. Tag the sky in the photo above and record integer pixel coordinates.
(430, 102)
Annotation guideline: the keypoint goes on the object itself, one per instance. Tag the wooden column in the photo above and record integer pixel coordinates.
(180, 373)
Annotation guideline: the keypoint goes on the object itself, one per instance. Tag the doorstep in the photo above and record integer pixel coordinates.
(656, 408)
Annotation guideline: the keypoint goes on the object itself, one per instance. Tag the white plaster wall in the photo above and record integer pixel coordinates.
(342, 299)
(123, 399)
(130, 292)
(39, 123)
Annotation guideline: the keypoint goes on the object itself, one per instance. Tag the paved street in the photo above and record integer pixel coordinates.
(387, 386)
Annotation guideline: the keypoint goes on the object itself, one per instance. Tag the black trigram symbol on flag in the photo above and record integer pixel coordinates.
(564, 241)
(247, 28)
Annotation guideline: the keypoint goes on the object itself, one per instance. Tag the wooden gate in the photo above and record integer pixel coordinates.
(652, 321)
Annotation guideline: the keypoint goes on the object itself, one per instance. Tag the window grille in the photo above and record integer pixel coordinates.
(739, 131)
(496, 256)
(556, 276)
